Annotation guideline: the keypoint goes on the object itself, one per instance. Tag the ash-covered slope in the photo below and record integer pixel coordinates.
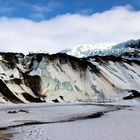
(62, 78)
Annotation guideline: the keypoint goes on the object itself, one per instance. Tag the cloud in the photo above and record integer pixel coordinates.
(41, 9)
(85, 11)
(54, 4)
(39, 12)
(7, 10)
(66, 31)
(37, 16)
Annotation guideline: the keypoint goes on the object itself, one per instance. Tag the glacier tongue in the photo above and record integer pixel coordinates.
(63, 78)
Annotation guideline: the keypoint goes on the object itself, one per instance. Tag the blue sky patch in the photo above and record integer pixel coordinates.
(38, 10)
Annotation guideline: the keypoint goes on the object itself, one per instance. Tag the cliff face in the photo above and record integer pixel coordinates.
(62, 78)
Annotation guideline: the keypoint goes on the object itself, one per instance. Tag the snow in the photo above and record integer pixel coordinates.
(103, 49)
(85, 50)
(118, 122)
(126, 44)
(116, 126)
(1, 58)
(6, 73)
(63, 83)
(58, 79)
(44, 112)
(36, 72)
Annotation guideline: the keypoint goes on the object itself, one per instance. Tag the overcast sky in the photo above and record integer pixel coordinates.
(51, 26)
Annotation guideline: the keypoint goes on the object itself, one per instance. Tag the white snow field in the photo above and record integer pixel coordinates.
(71, 121)
(103, 49)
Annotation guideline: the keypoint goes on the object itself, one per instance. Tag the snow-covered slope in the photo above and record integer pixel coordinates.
(62, 78)
(104, 49)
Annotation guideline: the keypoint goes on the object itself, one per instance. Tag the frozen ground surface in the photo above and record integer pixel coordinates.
(77, 121)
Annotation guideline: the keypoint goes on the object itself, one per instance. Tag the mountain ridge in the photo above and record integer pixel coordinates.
(103, 49)
(64, 78)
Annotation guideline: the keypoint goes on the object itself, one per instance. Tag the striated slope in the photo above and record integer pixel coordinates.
(61, 78)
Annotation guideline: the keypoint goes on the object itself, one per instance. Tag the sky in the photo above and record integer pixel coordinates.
(54, 25)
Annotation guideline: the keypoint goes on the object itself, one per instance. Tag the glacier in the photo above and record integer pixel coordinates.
(104, 49)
